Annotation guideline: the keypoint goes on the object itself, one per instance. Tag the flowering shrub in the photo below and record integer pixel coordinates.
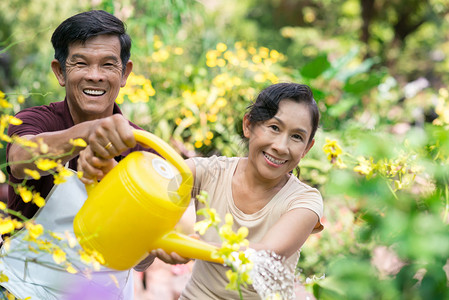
(391, 191)
(232, 244)
(37, 238)
(382, 170)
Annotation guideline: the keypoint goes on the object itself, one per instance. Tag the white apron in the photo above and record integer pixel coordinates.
(30, 279)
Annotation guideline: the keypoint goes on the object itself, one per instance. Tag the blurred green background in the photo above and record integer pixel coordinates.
(379, 70)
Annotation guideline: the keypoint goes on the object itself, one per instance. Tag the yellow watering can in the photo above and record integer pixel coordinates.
(136, 206)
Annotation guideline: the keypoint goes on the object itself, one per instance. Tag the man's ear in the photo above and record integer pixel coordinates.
(57, 70)
(128, 69)
(246, 126)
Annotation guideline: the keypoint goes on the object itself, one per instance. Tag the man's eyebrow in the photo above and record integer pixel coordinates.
(77, 56)
(112, 57)
(296, 129)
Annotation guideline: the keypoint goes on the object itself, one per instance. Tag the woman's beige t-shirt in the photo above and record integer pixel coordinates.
(214, 175)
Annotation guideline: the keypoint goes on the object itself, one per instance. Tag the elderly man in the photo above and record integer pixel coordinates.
(92, 51)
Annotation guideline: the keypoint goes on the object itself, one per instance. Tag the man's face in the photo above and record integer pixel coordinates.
(93, 77)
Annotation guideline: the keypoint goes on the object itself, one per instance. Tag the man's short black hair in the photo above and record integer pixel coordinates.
(85, 25)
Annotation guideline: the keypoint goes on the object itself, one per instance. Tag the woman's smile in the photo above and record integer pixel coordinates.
(272, 161)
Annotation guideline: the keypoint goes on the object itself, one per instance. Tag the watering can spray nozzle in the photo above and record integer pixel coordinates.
(136, 206)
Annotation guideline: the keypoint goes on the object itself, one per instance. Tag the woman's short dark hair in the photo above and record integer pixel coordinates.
(267, 103)
(86, 25)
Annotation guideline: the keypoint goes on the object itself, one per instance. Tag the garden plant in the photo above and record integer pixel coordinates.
(381, 157)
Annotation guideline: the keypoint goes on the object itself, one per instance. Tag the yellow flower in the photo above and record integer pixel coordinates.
(44, 245)
(365, 167)
(14, 121)
(202, 226)
(332, 149)
(231, 237)
(24, 142)
(114, 280)
(221, 62)
(233, 280)
(32, 173)
(69, 268)
(198, 144)
(6, 226)
(221, 47)
(45, 164)
(26, 194)
(85, 258)
(212, 219)
(274, 54)
(70, 239)
(59, 256)
(21, 99)
(17, 224)
(5, 104)
(2, 205)
(98, 257)
(256, 59)
(34, 230)
(55, 236)
(6, 138)
(58, 179)
(3, 277)
(178, 51)
(212, 118)
(62, 175)
(38, 200)
(78, 142)
(2, 177)
(211, 63)
(6, 243)
(158, 44)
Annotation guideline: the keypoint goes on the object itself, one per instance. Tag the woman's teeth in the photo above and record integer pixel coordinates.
(273, 160)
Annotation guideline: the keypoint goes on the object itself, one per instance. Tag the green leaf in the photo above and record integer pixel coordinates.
(363, 83)
(316, 67)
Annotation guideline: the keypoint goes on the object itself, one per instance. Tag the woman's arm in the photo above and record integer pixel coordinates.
(289, 233)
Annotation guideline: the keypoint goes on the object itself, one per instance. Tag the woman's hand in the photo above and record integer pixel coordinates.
(172, 258)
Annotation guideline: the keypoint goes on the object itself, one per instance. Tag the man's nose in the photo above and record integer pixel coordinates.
(95, 73)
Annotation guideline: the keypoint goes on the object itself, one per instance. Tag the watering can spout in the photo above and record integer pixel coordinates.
(140, 201)
(187, 247)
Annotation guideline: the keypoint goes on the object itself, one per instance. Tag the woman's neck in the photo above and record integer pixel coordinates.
(250, 193)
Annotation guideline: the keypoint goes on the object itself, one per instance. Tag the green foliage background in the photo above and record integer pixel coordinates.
(379, 71)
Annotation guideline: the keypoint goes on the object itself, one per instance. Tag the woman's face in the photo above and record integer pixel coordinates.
(277, 145)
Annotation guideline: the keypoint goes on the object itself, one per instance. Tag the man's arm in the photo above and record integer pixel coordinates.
(97, 133)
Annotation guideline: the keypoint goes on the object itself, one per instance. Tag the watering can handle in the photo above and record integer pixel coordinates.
(150, 140)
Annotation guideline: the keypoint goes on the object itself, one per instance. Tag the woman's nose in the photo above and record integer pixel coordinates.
(280, 144)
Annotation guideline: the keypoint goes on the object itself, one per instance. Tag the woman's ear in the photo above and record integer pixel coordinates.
(57, 70)
(246, 126)
(309, 146)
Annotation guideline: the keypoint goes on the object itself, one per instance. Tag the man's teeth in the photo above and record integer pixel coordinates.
(94, 92)
(273, 160)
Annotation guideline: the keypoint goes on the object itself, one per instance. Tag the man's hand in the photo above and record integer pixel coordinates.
(111, 136)
(107, 138)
